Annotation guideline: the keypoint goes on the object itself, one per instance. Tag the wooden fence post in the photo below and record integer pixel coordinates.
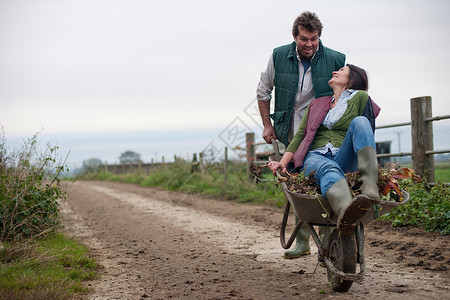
(225, 165)
(250, 150)
(422, 137)
(202, 164)
(194, 165)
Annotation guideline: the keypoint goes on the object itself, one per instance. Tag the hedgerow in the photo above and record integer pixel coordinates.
(428, 208)
(29, 190)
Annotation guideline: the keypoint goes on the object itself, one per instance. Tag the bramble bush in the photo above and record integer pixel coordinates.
(29, 190)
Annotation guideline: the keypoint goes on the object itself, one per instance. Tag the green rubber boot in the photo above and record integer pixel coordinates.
(368, 170)
(347, 208)
(301, 243)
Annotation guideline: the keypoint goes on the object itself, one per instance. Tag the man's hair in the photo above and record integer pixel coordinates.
(308, 20)
(357, 78)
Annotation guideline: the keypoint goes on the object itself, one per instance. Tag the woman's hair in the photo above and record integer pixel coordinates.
(357, 78)
(308, 20)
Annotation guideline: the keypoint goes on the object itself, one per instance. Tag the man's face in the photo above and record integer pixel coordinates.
(307, 42)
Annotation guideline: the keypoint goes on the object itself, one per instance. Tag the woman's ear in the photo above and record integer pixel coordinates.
(349, 84)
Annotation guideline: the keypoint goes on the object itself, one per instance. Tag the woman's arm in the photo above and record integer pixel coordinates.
(298, 137)
(292, 147)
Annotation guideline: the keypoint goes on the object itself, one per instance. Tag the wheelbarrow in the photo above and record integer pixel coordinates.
(341, 252)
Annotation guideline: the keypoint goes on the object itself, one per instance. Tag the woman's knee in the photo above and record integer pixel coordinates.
(360, 121)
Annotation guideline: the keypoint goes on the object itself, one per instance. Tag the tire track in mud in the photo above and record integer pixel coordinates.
(231, 236)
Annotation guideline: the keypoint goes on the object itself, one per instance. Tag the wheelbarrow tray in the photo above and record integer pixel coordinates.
(316, 210)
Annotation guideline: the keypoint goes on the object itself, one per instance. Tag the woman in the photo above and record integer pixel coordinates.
(335, 136)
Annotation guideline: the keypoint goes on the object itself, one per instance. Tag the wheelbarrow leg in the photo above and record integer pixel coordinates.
(316, 239)
(360, 244)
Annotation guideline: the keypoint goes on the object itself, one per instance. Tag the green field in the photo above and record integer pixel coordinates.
(442, 172)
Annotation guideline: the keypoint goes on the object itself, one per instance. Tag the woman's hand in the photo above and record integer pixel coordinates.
(275, 165)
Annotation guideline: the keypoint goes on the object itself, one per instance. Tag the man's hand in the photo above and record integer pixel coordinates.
(269, 134)
(269, 131)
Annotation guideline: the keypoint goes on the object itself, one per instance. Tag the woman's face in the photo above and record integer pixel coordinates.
(340, 77)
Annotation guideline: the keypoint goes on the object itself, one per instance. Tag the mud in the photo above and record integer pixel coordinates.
(154, 244)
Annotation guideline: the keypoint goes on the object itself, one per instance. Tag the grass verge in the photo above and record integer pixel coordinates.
(51, 268)
(213, 182)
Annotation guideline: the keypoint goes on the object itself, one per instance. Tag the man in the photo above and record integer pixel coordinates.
(300, 72)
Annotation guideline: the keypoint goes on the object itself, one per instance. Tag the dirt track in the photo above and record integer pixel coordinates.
(155, 244)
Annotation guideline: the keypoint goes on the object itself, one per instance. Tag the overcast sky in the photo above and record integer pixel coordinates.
(97, 67)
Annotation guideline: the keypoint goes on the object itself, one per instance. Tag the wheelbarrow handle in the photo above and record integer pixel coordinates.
(275, 146)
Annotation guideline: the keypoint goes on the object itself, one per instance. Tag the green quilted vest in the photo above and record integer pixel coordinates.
(285, 62)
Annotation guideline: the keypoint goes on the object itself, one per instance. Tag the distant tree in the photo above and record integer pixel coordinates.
(91, 165)
(128, 157)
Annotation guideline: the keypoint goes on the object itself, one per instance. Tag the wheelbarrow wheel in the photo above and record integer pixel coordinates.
(343, 255)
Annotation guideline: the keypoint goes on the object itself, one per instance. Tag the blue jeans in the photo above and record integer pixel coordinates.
(331, 168)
